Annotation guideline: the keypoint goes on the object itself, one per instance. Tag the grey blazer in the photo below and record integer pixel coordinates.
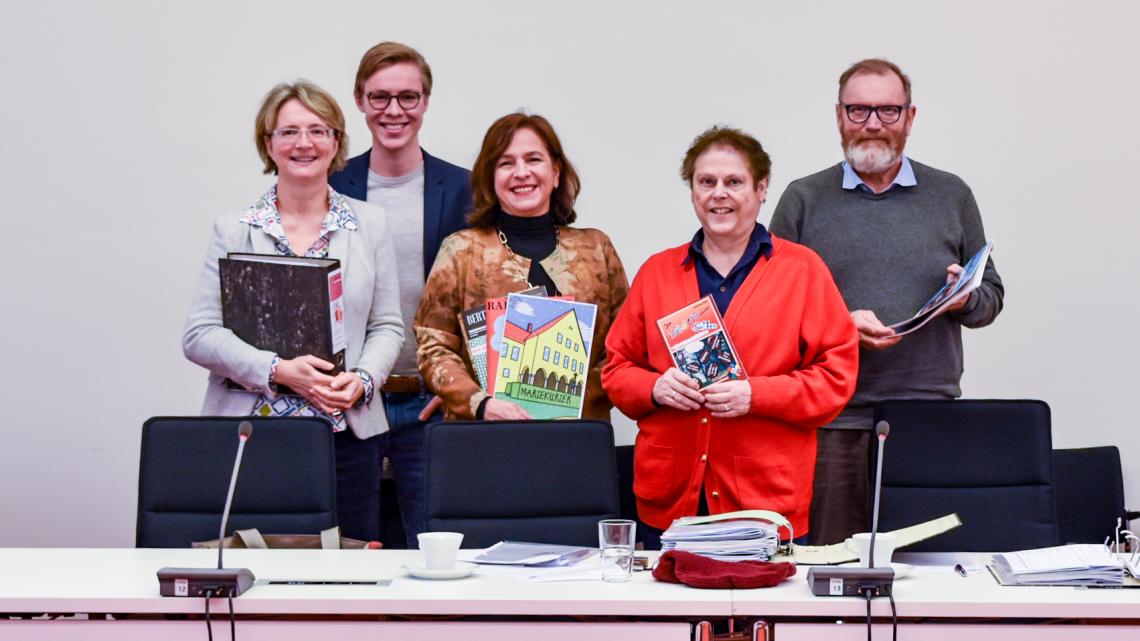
(373, 327)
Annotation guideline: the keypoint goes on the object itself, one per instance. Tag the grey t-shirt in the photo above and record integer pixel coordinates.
(402, 198)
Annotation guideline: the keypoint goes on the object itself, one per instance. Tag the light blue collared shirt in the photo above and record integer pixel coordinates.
(905, 177)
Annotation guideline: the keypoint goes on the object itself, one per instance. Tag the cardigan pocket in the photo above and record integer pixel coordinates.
(654, 478)
(763, 486)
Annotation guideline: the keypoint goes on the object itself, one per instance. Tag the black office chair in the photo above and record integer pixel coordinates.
(988, 460)
(1090, 494)
(536, 481)
(628, 500)
(287, 483)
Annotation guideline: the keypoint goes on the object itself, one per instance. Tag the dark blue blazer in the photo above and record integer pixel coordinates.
(447, 198)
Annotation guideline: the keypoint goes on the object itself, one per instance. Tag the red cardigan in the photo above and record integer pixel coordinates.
(800, 350)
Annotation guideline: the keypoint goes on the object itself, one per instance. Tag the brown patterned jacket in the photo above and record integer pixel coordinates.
(472, 266)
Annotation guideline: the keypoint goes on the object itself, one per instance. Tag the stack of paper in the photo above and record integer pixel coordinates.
(737, 540)
(532, 554)
(1131, 563)
(1088, 564)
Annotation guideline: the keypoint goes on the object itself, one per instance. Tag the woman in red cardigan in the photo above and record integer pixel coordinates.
(736, 444)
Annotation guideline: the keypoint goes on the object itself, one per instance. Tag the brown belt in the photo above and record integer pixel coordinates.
(403, 384)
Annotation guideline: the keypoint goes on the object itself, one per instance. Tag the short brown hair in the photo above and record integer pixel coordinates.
(387, 54)
(759, 162)
(495, 142)
(877, 66)
(316, 100)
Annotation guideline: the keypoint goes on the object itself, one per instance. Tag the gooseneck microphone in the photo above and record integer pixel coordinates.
(854, 581)
(211, 582)
(245, 430)
(882, 429)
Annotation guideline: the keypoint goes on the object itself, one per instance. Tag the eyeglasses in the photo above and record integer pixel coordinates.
(379, 100)
(888, 114)
(293, 134)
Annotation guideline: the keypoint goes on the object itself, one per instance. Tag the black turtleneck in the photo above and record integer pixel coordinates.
(533, 238)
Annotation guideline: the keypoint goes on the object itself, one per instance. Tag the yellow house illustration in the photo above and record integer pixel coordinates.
(552, 357)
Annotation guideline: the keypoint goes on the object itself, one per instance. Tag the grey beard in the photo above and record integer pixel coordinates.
(871, 158)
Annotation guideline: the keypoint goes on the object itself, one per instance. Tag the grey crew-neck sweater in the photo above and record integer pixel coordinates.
(888, 253)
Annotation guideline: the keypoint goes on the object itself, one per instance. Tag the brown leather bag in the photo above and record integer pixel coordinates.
(329, 539)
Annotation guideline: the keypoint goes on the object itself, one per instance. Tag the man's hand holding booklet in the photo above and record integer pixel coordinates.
(952, 292)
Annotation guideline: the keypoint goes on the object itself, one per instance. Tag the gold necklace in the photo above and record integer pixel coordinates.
(511, 252)
(503, 240)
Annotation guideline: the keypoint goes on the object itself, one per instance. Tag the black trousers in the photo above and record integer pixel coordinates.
(358, 485)
(841, 494)
(651, 536)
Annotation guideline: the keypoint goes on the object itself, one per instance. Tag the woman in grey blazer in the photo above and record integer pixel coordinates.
(300, 137)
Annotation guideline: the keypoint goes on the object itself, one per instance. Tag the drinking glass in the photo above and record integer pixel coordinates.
(615, 538)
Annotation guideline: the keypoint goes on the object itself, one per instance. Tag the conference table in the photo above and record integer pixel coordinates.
(103, 594)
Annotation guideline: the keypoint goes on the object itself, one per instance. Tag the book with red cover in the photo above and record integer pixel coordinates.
(493, 324)
(699, 344)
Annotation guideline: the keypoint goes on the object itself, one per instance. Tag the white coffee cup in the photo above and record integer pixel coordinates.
(884, 547)
(440, 549)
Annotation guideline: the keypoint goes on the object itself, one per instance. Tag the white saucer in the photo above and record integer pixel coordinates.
(901, 569)
(460, 571)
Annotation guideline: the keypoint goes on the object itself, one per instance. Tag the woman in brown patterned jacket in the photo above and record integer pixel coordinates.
(524, 189)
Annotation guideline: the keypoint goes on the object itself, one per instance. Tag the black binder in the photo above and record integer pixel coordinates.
(285, 304)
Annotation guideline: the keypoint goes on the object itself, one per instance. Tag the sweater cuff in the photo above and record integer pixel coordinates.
(475, 403)
(640, 402)
(767, 397)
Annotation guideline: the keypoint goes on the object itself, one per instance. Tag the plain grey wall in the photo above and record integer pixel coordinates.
(129, 127)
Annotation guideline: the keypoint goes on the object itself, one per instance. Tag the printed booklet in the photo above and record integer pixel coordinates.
(543, 355)
(699, 344)
(968, 281)
(473, 328)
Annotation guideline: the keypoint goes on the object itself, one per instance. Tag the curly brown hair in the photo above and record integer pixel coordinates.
(759, 162)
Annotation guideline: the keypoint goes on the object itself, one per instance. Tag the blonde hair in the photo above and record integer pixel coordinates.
(316, 100)
(387, 54)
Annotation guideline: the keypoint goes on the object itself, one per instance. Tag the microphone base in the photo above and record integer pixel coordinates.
(833, 581)
(195, 582)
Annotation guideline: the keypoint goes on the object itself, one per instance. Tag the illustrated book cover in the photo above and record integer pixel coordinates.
(699, 344)
(967, 281)
(477, 331)
(543, 355)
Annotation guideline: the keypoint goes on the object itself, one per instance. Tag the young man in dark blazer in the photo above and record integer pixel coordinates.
(425, 199)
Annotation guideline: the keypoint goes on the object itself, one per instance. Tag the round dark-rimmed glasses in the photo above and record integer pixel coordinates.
(379, 100)
(888, 114)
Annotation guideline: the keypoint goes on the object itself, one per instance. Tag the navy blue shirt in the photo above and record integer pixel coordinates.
(723, 288)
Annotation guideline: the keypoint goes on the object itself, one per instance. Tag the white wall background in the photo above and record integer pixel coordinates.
(128, 127)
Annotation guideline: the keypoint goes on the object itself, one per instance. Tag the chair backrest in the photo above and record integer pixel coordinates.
(536, 481)
(628, 500)
(988, 460)
(1090, 493)
(287, 483)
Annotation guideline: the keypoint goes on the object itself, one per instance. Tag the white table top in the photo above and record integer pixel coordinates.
(123, 580)
(939, 591)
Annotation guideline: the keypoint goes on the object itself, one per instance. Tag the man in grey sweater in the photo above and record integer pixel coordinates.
(892, 230)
